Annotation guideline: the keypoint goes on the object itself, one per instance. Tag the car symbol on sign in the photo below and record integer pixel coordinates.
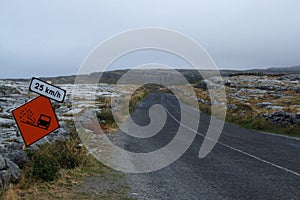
(44, 121)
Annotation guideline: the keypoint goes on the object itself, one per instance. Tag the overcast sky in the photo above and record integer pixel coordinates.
(49, 38)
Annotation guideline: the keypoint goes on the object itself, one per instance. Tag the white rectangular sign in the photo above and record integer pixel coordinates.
(47, 90)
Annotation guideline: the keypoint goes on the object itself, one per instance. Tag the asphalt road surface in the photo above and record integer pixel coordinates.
(244, 164)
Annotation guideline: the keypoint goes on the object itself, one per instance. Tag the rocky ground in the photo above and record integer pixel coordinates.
(275, 98)
(12, 95)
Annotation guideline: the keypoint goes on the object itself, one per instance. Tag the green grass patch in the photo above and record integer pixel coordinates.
(107, 116)
(1, 193)
(245, 117)
(249, 121)
(261, 124)
(45, 163)
(137, 97)
(205, 108)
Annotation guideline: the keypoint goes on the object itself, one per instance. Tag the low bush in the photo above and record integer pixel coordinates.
(68, 154)
(43, 167)
(205, 108)
(106, 115)
(45, 162)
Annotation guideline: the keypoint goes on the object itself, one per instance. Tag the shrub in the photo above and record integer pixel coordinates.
(68, 154)
(45, 163)
(205, 108)
(42, 167)
(106, 115)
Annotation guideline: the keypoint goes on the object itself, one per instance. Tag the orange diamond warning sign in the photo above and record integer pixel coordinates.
(35, 119)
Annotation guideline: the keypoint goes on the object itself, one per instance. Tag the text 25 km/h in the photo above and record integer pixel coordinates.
(43, 88)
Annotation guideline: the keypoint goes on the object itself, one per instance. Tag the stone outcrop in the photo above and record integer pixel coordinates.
(9, 172)
(283, 118)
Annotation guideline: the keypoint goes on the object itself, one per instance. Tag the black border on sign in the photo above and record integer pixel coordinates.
(27, 145)
(48, 84)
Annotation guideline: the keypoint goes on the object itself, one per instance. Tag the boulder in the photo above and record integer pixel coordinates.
(280, 113)
(296, 121)
(291, 77)
(9, 172)
(283, 118)
(296, 118)
(274, 107)
(263, 104)
(2, 163)
(14, 171)
(201, 84)
(229, 83)
(4, 178)
(232, 106)
(19, 157)
(8, 90)
(217, 80)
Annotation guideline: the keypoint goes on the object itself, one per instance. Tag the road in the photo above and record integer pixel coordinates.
(244, 164)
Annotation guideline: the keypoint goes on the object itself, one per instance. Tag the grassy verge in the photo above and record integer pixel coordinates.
(57, 170)
(137, 97)
(250, 121)
(261, 124)
(107, 121)
(2, 194)
(105, 116)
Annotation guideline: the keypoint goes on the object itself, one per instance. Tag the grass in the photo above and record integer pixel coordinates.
(205, 108)
(247, 113)
(105, 116)
(2, 194)
(137, 97)
(245, 117)
(261, 124)
(107, 121)
(67, 184)
(57, 169)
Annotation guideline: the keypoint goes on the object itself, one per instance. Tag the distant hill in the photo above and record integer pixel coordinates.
(292, 69)
(191, 75)
(285, 69)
